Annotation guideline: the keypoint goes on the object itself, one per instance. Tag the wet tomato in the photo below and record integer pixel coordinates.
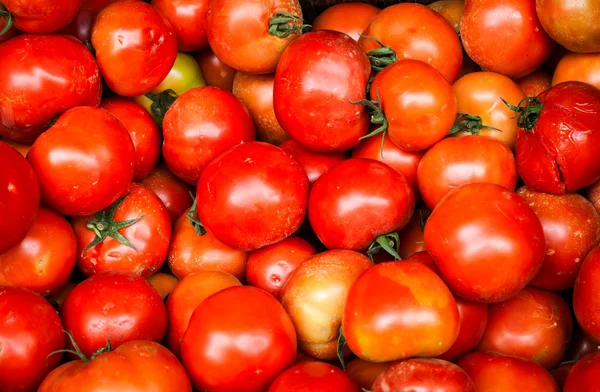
(215, 72)
(313, 377)
(348, 18)
(585, 303)
(41, 16)
(451, 10)
(176, 195)
(583, 375)
(315, 163)
(189, 20)
(578, 67)
(535, 83)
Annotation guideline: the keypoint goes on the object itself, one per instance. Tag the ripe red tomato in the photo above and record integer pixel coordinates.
(583, 376)
(585, 303)
(244, 348)
(451, 10)
(175, 194)
(203, 123)
(81, 25)
(216, 73)
(189, 20)
(115, 306)
(41, 16)
(535, 83)
(411, 238)
(315, 163)
(348, 18)
(505, 36)
(30, 330)
(133, 38)
(487, 242)
(578, 67)
(313, 377)
(83, 169)
(46, 62)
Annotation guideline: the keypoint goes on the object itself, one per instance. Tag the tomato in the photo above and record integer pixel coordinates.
(215, 72)
(480, 95)
(348, 18)
(418, 103)
(457, 161)
(19, 197)
(22, 148)
(47, 63)
(45, 258)
(189, 20)
(81, 25)
(203, 123)
(561, 372)
(571, 24)
(578, 67)
(256, 92)
(245, 35)
(315, 106)
(499, 373)
(313, 377)
(185, 298)
(72, 185)
(270, 268)
(365, 373)
(132, 38)
(585, 303)
(505, 36)
(163, 283)
(414, 314)
(175, 194)
(253, 195)
(244, 348)
(134, 366)
(41, 16)
(116, 306)
(416, 32)
(315, 163)
(411, 239)
(423, 374)
(583, 376)
(558, 150)
(451, 10)
(486, 241)
(535, 83)
(314, 297)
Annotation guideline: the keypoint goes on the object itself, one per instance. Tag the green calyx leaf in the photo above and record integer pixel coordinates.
(105, 349)
(469, 123)
(161, 102)
(341, 345)
(387, 242)
(380, 57)
(528, 112)
(377, 118)
(76, 350)
(283, 24)
(192, 216)
(4, 13)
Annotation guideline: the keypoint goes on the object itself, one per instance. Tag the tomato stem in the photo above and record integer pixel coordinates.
(76, 352)
(377, 118)
(341, 345)
(161, 102)
(283, 24)
(469, 123)
(388, 242)
(380, 57)
(192, 216)
(528, 112)
(4, 13)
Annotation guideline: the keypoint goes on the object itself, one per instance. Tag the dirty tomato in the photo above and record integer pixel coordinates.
(176, 195)
(314, 377)
(41, 16)
(215, 72)
(315, 163)
(348, 18)
(586, 304)
(189, 20)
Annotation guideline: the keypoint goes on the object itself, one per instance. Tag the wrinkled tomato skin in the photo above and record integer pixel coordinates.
(411, 237)
(312, 103)
(562, 152)
(314, 377)
(365, 373)
(215, 72)
(189, 20)
(451, 10)
(462, 233)
(175, 194)
(75, 186)
(583, 376)
(578, 67)
(81, 25)
(586, 303)
(347, 18)
(535, 83)
(42, 16)
(315, 163)
(30, 330)
(346, 204)
(133, 38)
(47, 63)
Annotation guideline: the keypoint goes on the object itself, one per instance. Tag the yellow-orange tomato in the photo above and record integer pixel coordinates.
(535, 83)
(364, 373)
(163, 283)
(451, 10)
(349, 18)
(578, 67)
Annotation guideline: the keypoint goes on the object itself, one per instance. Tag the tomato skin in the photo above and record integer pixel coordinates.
(365, 373)
(535, 83)
(451, 10)
(505, 36)
(77, 187)
(133, 38)
(244, 348)
(140, 366)
(313, 377)
(189, 20)
(585, 303)
(215, 72)
(311, 103)
(347, 18)
(474, 266)
(315, 163)
(164, 284)
(81, 25)
(95, 310)
(47, 61)
(578, 67)
(410, 298)
(583, 376)
(42, 16)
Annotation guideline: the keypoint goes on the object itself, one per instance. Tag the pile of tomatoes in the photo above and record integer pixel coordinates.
(219, 195)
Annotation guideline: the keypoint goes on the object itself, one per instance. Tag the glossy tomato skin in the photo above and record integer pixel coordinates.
(312, 103)
(315, 163)
(19, 197)
(505, 36)
(451, 10)
(584, 375)
(253, 195)
(347, 18)
(189, 20)
(75, 186)
(585, 303)
(42, 16)
(462, 236)
(415, 314)
(244, 348)
(535, 83)
(133, 38)
(30, 330)
(578, 67)
(314, 377)
(216, 73)
(47, 62)
(175, 194)
(140, 366)
(203, 123)
(115, 306)
(562, 152)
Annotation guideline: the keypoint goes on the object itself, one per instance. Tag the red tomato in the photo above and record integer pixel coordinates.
(416, 32)
(451, 10)
(270, 268)
(505, 36)
(30, 330)
(487, 242)
(558, 149)
(163, 283)
(22, 148)
(57, 299)
(348, 18)
(425, 259)
(175, 194)
(535, 83)
(253, 195)
(41, 16)
(203, 123)
(578, 67)
(189, 20)
(132, 38)
(313, 377)
(46, 62)
(457, 161)
(19, 197)
(244, 348)
(81, 26)
(115, 306)
(315, 163)
(586, 303)
(136, 366)
(583, 376)
(411, 238)
(83, 169)
(216, 73)
(143, 131)
(413, 314)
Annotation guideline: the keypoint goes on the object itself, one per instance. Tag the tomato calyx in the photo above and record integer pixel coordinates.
(192, 216)
(161, 102)
(469, 123)
(380, 57)
(283, 24)
(528, 112)
(105, 226)
(386, 242)
(377, 118)
(341, 345)
(77, 351)
(5, 13)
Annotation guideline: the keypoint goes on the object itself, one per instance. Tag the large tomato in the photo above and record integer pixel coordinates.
(41, 16)
(47, 63)
(583, 376)
(189, 20)
(95, 166)
(578, 67)
(586, 303)
(215, 72)
(487, 242)
(348, 18)
(175, 194)
(313, 377)
(315, 163)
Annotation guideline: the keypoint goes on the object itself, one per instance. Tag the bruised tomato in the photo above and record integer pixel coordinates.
(41, 16)
(176, 195)
(315, 163)
(215, 72)
(189, 21)
(578, 67)
(348, 18)
(314, 377)
(585, 303)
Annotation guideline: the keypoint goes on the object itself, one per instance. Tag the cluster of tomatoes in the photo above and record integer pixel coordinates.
(214, 194)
